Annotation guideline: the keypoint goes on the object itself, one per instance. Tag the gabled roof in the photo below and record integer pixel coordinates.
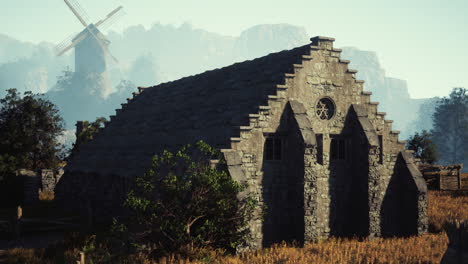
(207, 106)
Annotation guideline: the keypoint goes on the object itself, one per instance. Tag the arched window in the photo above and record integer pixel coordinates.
(273, 147)
(337, 148)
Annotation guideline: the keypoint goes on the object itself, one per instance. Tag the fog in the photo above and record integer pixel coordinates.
(149, 56)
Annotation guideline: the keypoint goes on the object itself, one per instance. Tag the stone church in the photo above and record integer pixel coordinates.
(295, 125)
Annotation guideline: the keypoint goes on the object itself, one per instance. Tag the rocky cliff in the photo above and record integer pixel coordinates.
(391, 93)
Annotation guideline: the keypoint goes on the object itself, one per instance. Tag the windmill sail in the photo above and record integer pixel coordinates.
(99, 41)
(110, 15)
(79, 12)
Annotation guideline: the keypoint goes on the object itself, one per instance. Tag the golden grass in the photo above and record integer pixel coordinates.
(446, 206)
(46, 195)
(22, 255)
(428, 248)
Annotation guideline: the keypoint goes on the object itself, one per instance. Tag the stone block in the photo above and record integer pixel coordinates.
(237, 173)
(232, 158)
(48, 180)
(297, 107)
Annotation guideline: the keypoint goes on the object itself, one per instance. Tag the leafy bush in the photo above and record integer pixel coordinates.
(429, 248)
(423, 147)
(182, 203)
(88, 130)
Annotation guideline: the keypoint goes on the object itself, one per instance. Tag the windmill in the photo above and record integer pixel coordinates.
(91, 46)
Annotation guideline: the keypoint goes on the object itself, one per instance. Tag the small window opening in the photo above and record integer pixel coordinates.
(273, 148)
(338, 148)
(320, 149)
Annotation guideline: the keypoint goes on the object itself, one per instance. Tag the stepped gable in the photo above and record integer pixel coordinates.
(206, 106)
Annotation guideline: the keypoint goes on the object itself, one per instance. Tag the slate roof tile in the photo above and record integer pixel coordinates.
(205, 106)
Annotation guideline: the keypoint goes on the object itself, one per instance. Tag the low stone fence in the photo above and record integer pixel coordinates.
(448, 177)
(27, 184)
(14, 225)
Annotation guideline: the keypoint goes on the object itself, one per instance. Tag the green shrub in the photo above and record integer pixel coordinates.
(182, 203)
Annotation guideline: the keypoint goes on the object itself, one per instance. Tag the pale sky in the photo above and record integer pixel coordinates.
(422, 41)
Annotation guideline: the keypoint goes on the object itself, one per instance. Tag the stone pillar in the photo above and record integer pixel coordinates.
(323, 42)
(48, 180)
(311, 207)
(423, 219)
(375, 197)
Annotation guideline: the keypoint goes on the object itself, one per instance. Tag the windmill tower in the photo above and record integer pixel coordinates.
(91, 46)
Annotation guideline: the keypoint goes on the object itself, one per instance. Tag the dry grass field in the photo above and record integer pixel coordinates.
(46, 196)
(429, 248)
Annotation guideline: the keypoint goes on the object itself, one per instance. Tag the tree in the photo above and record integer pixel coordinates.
(29, 127)
(182, 202)
(451, 127)
(87, 131)
(425, 112)
(423, 147)
(65, 80)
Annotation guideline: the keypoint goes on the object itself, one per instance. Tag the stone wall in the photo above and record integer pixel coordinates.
(30, 182)
(340, 198)
(49, 178)
(99, 196)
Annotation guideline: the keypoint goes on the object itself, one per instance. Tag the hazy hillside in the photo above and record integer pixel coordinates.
(391, 93)
(29, 67)
(182, 51)
(12, 49)
(260, 40)
(148, 56)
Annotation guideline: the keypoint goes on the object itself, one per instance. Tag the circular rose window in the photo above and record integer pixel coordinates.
(325, 109)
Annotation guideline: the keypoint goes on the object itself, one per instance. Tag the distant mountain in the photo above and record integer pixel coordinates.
(261, 40)
(29, 67)
(12, 49)
(391, 93)
(164, 53)
(182, 51)
(177, 51)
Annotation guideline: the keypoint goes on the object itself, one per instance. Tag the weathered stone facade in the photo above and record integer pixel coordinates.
(295, 125)
(50, 178)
